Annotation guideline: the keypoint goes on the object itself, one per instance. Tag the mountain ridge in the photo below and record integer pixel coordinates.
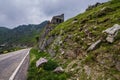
(21, 36)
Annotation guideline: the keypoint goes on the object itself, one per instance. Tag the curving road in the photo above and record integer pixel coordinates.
(9, 62)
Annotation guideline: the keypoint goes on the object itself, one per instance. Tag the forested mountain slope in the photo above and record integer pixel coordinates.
(21, 36)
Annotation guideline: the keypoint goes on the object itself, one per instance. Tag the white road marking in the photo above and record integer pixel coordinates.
(15, 72)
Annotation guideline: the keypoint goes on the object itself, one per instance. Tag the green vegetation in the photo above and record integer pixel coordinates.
(70, 43)
(46, 71)
(50, 65)
(20, 37)
(76, 37)
(33, 71)
(7, 49)
(90, 24)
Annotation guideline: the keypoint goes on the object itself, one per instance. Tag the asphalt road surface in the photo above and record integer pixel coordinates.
(9, 62)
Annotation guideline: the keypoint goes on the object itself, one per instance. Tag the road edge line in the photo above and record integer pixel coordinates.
(16, 70)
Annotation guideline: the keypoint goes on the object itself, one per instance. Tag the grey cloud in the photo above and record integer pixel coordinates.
(16, 12)
(69, 7)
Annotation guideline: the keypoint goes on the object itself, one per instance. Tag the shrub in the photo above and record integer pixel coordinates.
(118, 36)
(50, 65)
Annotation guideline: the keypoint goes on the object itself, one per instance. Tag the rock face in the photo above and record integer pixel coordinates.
(94, 45)
(112, 33)
(40, 62)
(59, 70)
(45, 42)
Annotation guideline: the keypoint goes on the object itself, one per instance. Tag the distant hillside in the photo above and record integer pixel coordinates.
(3, 34)
(70, 43)
(21, 36)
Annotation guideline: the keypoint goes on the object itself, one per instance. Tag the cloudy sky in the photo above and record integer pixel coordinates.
(17, 12)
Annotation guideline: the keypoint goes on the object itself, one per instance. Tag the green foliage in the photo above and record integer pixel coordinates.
(114, 1)
(48, 75)
(118, 36)
(86, 22)
(21, 36)
(32, 71)
(87, 30)
(3, 34)
(50, 65)
(44, 73)
(89, 58)
(37, 38)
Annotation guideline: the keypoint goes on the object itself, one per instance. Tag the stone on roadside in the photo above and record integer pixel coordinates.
(58, 70)
(40, 62)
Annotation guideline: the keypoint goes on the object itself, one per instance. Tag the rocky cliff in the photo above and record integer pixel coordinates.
(46, 39)
(84, 45)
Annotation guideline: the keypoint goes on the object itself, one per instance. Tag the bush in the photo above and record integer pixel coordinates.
(50, 65)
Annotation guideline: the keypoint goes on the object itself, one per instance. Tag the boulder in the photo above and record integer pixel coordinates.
(62, 52)
(110, 38)
(112, 33)
(113, 29)
(58, 70)
(94, 45)
(40, 62)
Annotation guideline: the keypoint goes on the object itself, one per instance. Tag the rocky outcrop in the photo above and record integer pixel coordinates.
(43, 42)
(59, 70)
(45, 39)
(112, 33)
(94, 45)
(41, 61)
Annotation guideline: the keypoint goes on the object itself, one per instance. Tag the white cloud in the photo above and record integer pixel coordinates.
(16, 12)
